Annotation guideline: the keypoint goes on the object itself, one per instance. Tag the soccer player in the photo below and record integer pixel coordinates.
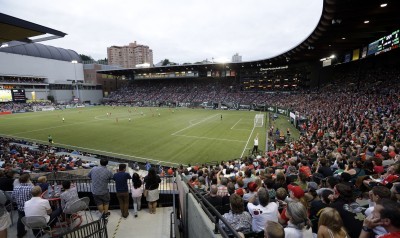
(129, 119)
(221, 117)
(63, 119)
(50, 138)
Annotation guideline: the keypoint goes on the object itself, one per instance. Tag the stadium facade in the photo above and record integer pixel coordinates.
(46, 72)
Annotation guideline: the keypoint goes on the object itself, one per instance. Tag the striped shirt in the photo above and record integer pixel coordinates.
(21, 194)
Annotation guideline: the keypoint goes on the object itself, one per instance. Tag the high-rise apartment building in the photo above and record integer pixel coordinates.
(236, 58)
(130, 55)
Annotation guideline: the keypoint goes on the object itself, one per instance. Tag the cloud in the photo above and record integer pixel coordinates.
(180, 30)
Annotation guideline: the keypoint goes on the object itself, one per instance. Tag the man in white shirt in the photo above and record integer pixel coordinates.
(255, 147)
(265, 211)
(38, 206)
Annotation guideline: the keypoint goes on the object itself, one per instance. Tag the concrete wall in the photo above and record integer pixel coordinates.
(94, 96)
(54, 70)
(199, 225)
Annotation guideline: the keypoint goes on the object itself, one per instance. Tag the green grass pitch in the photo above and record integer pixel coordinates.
(159, 135)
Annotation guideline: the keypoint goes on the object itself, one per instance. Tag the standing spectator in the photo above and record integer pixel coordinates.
(37, 206)
(5, 220)
(21, 194)
(152, 181)
(330, 224)
(6, 180)
(101, 176)
(137, 192)
(299, 225)
(265, 211)
(121, 183)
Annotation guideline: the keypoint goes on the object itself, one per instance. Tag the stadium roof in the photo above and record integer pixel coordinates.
(341, 29)
(13, 28)
(42, 51)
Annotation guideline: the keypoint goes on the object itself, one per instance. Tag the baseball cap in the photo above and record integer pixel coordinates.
(296, 190)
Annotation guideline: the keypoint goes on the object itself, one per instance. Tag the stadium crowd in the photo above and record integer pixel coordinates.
(347, 157)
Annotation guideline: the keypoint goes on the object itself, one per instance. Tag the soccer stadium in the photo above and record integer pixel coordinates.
(302, 144)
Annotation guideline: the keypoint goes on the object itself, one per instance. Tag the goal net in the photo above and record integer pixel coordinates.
(259, 120)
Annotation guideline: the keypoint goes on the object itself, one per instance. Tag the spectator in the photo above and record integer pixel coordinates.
(343, 202)
(69, 195)
(213, 197)
(42, 183)
(5, 220)
(299, 225)
(239, 219)
(376, 195)
(101, 176)
(385, 214)
(137, 192)
(121, 185)
(21, 194)
(265, 211)
(38, 206)
(330, 224)
(152, 181)
(273, 230)
(317, 206)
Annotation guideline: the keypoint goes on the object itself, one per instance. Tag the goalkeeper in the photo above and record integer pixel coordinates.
(255, 147)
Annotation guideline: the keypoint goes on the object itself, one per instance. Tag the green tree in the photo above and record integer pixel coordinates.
(166, 62)
(86, 57)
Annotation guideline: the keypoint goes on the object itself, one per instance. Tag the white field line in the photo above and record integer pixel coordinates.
(245, 147)
(236, 123)
(205, 119)
(101, 151)
(210, 138)
(36, 114)
(53, 127)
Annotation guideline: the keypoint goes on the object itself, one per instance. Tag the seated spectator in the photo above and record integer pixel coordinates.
(330, 224)
(385, 214)
(299, 225)
(390, 176)
(252, 187)
(343, 201)
(273, 230)
(69, 195)
(376, 195)
(213, 198)
(324, 168)
(265, 211)
(42, 183)
(38, 206)
(239, 219)
(317, 206)
(281, 196)
(296, 194)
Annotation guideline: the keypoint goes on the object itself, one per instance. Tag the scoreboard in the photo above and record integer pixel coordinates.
(18, 95)
(384, 44)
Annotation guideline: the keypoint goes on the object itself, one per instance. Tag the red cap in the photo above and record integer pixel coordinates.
(252, 186)
(296, 190)
(240, 192)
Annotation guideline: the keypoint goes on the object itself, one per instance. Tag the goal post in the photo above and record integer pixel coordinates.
(259, 120)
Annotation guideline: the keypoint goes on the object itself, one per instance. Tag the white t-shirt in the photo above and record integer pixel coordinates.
(291, 232)
(256, 141)
(262, 214)
(37, 206)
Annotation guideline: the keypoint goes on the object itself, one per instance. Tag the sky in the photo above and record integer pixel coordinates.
(183, 31)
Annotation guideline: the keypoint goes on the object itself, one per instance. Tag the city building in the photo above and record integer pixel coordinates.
(108, 83)
(236, 58)
(129, 56)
